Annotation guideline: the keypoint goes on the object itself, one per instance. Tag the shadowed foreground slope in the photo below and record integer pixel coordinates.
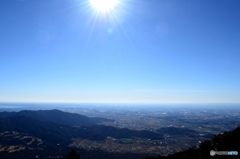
(228, 141)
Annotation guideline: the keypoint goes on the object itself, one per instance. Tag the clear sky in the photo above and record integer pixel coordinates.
(144, 51)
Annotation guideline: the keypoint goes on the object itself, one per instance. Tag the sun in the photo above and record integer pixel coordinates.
(104, 5)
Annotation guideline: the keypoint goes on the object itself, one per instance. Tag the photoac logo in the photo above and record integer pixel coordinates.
(213, 153)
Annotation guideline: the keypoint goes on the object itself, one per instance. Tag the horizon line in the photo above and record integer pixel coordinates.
(141, 103)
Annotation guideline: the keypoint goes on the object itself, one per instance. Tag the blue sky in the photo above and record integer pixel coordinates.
(142, 51)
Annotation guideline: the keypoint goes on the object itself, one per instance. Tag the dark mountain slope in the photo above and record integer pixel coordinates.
(176, 131)
(181, 132)
(56, 116)
(47, 131)
(56, 138)
(122, 133)
(228, 141)
(56, 133)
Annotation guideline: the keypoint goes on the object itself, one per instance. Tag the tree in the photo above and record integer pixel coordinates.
(73, 155)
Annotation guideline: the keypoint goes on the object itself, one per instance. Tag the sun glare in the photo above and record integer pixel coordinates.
(104, 5)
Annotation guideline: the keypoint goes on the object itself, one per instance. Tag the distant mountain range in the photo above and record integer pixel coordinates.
(56, 116)
(61, 125)
(55, 129)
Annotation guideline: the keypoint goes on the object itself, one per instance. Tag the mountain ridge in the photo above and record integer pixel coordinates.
(57, 116)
